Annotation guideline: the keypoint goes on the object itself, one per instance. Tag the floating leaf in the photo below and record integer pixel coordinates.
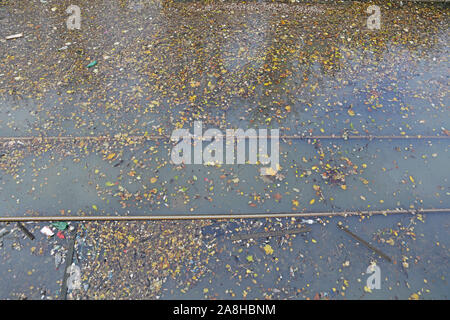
(268, 249)
(270, 172)
(414, 296)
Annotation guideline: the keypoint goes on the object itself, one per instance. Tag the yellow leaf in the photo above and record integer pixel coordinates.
(351, 112)
(110, 156)
(268, 249)
(414, 296)
(270, 172)
(312, 201)
(412, 179)
(153, 179)
(343, 187)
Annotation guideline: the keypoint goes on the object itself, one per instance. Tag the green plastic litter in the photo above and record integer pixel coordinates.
(93, 63)
(60, 225)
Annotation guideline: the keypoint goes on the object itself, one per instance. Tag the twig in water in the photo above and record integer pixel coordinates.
(25, 230)
(368, 245)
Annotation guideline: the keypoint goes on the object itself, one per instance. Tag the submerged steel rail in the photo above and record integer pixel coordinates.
(165, 137)
(219, 216)
(222, 216)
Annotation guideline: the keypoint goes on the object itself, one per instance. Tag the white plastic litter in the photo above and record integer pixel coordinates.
(47, 231)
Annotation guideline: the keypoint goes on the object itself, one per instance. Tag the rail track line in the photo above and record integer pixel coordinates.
(175, 217)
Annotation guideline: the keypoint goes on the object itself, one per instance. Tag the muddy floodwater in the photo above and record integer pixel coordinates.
(86, 117)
